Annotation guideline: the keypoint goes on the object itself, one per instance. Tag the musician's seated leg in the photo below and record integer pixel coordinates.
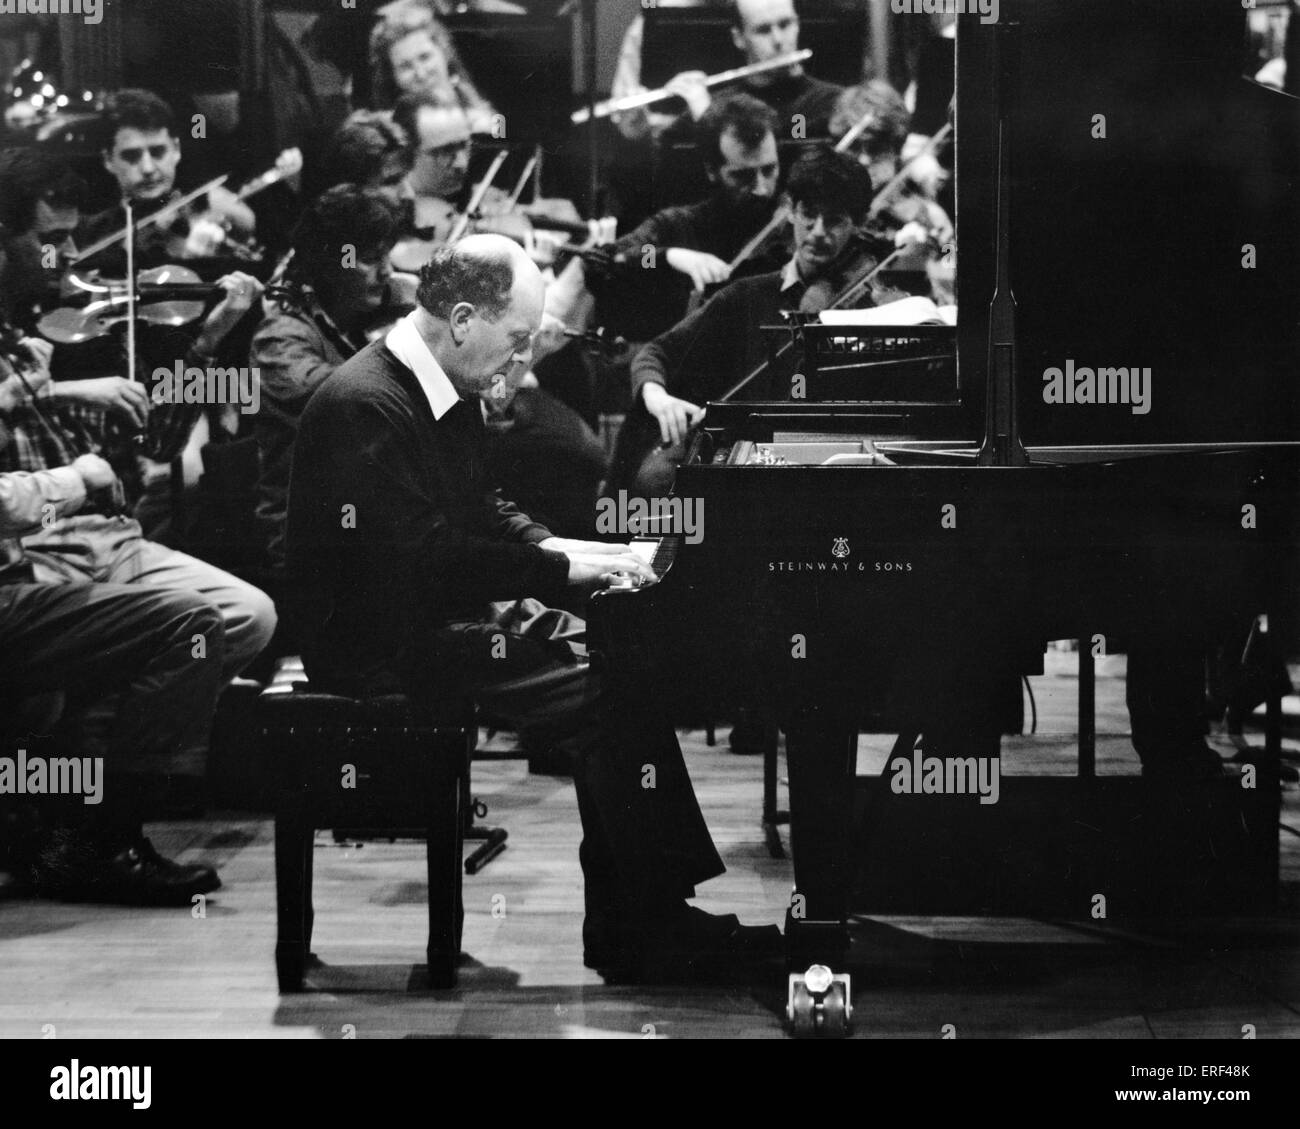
(645, 844)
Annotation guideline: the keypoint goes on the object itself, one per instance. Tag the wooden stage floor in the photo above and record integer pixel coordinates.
(119, 973)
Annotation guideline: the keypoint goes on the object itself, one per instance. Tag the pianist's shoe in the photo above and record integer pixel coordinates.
(681, 945)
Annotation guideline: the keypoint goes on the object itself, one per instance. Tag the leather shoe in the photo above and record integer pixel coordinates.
(136, 875)
(682, 945)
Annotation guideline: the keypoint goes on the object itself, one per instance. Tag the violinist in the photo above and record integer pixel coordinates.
(736, 140)
(911, 213)
(708, 352)
(440, 133)
(442, 136)
(314, 318)
(56, 422)
(40, 202)
(371, 151)
(142, 152)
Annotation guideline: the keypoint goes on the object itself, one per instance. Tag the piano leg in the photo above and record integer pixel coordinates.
(821, 756)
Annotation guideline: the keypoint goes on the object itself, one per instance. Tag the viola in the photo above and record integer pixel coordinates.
(167, 295)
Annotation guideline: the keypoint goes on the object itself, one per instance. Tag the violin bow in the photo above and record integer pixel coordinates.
(523, 181)
(164, 213)
(851, 290)
(782, 214)
(130, 289)
(891, 186)
(476, 200)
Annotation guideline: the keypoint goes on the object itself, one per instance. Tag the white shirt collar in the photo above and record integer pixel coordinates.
(406, 344)
(790, 275)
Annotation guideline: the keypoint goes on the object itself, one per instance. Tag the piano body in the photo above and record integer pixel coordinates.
(833, 586)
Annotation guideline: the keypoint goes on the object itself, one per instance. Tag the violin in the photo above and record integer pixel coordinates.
(545, 228)
(167, 295)
(774, 230)
(212, 232)
(599, 341)
(209, 232)
(859, 260)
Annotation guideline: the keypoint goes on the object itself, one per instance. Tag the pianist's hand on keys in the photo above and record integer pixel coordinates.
(594, 564)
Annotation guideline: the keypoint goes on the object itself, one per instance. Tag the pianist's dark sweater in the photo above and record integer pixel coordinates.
(393, 532)
(705, 354)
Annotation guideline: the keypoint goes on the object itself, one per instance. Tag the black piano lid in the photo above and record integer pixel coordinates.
(1127, 250)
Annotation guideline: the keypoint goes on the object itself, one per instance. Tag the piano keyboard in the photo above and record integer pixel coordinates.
(657, 552)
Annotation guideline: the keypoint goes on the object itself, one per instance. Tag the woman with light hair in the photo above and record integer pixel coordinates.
(411, 52)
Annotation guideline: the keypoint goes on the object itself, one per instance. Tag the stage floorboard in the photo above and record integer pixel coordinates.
(104, 972)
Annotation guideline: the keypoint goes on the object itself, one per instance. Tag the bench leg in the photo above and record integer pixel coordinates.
(293, 865)
(444, 843)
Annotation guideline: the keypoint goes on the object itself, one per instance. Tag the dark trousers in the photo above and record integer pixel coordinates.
(645, 843)
(94, 640)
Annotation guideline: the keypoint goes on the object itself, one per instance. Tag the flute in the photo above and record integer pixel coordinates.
(632, 101)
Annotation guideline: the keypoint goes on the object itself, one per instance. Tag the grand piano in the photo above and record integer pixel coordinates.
(1125, 200)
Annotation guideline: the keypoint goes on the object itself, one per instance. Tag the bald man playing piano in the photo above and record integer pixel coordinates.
(438, 587)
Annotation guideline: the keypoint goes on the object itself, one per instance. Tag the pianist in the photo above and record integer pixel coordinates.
(717, 346)
(414, 578)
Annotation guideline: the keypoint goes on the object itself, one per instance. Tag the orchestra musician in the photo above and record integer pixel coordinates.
(58, 421)
(54, 422)
(439, 571)
(441, 135)
(142, 151)
(40, 208)
(736, 139)
(880, 147)
(85, 642)
(371, 151)
(314, 317)
(708, 352)
(761, 30)
(411, 52)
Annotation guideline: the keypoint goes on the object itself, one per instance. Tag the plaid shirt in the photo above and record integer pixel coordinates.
(45, 433)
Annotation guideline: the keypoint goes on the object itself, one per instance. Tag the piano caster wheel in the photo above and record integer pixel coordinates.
(818, 1004)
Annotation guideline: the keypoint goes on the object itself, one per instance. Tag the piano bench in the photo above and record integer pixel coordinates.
(384, 762)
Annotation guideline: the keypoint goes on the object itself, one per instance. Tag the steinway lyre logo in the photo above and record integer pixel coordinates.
(840, 549)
